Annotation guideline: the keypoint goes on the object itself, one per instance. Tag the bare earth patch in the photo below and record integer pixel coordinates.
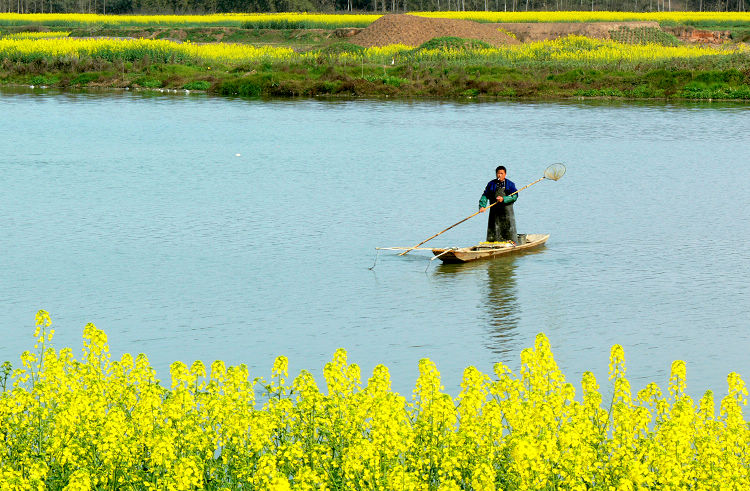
(413, 31)
(538, 31)
(693, 35)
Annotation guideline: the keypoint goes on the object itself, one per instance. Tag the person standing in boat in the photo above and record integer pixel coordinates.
(501, 225)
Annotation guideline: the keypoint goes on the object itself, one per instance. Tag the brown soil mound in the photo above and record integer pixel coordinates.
(413, 31)
(540, 31)
(693, 35)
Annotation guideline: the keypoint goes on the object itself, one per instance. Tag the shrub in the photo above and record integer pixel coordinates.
(148, 82)
(450, 42)
(197, 85)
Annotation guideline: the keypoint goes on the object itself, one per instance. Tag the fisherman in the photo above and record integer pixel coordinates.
(501, 225)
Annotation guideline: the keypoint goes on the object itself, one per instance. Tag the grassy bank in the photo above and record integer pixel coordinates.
(293, 80)
(445, 67)
(100, 423)
(250, 55)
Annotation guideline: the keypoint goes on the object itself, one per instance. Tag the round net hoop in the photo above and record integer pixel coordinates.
(555, 171)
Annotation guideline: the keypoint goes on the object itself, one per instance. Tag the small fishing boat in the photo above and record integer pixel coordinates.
(486, 250)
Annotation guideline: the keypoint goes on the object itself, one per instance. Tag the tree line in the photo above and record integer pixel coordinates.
(331, 6)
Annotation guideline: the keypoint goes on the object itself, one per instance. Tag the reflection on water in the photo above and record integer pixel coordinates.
(498, 298)
(501, 303)
(233, 231)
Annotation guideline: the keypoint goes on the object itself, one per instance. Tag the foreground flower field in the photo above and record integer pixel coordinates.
(99, 423)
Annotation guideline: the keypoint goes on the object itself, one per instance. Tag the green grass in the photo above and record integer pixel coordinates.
(148, 82)
(449, 42)
(712, 25)
(44, 80)
(197, 85)
(84, 79)
(577, 75)
(387, 80)
(643, 35)
(413, 74)
(740, 34)
(698, 90)
(341, 47)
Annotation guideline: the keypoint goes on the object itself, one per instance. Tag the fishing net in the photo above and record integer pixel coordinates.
(554, 171)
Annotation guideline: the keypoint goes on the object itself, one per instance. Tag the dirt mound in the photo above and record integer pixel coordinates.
(693, 35)
(413, 31)
(540, 31)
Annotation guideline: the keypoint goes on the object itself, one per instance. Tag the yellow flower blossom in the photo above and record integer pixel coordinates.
(573, 49)
(99, 423)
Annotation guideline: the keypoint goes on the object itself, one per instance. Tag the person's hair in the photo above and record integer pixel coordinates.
(501, 167)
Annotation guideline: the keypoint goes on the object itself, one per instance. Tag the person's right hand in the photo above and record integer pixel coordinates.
(481, 210)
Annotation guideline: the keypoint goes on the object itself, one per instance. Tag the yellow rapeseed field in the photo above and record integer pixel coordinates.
(35, 35)
(163, 51)
(359, 20)
(299, 19)
(579, 49)
(98, 423)
(570, 49)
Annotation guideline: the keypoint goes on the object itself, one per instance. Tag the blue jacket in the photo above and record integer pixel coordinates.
(488, 197)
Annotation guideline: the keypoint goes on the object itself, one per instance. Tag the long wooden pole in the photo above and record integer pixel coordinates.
(470, 216)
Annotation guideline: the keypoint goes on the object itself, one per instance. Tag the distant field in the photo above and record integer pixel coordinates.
(270, 21)
(688, 18)
(301, 54)
(575, 50)
(332, 21)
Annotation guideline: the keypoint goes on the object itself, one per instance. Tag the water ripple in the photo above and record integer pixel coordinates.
(134, 212)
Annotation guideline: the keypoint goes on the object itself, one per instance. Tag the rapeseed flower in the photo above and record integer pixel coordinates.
(96, 422)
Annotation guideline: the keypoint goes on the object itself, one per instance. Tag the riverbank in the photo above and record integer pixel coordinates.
(454, 74)
(396, 56)
(295, 81)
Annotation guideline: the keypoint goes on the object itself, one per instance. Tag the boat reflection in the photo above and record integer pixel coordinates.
(501, 309)
(499, 298)
(501, 304)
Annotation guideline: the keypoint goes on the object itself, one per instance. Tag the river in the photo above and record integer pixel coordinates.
(195, 227)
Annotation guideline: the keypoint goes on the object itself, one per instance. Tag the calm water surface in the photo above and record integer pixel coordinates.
(135, 212)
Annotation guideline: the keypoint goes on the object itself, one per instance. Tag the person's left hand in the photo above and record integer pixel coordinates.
(500, 198)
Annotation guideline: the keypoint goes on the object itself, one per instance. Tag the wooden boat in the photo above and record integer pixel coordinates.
(488, 250)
